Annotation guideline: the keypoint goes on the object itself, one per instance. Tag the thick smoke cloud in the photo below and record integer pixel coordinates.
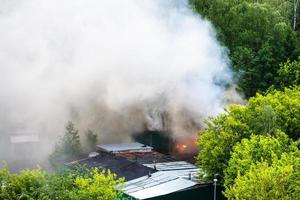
(115, 66)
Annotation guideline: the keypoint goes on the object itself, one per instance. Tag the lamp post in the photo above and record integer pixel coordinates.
(215, 188)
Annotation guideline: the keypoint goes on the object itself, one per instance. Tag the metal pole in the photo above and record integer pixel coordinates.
(215, 188)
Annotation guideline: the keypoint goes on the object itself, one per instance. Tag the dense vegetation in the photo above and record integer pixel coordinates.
(255, 148)
(264, 167)
(69, 185)
(260, 36)
(69, 147)
(248, 145)
(289, 74)
(276, 180)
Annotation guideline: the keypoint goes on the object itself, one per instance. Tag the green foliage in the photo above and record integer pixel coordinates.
(98, 186)
(289, 74)
(70, 143)
(277, 180)
(68, 147)
(69, 185)
(80, 186)
(217, 140)
(285, 107)
(258, 34)
(258, 148)
(262, 115)
(26, 185)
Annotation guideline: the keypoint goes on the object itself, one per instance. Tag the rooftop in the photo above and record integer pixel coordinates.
(159, 183)
(148, 173)
(170, 177)
(118, 165)
(148, 157)
(167, 166)
(126, 147)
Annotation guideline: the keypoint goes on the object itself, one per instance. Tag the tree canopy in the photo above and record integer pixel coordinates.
(259, 35)
(276, 180)
(289, 74)
(69, 185)
(262, 115)
(258, 148)
(68, 147)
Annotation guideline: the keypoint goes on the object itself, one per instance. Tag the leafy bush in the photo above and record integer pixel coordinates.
(68, 185)
(265, 181)
(263, 115)
(258, 148)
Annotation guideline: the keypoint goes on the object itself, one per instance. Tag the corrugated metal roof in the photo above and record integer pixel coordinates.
(191, 174)
(159, 183)
(127, 147)
(166, 166)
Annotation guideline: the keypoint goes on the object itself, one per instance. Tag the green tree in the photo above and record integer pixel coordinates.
(265, 181)
(285, 108)
(289, 74)
(216, 141)
(100, 186)
(71, 142)
(258, 148)
(259, 36)
(25, 185)
(262, 115)
(68, 147)
(68, 185)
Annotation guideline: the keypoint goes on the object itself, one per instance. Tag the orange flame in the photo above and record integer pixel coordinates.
(186, 145)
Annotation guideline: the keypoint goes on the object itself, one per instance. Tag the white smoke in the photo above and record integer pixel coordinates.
(116, 66)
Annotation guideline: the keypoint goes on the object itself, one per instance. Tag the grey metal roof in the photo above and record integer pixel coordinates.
(166, 166)
(191, 174)
(159, 183)
(126, 147)
(170, 177)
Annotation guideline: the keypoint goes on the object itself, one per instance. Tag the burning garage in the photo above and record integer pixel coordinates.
(149, 174)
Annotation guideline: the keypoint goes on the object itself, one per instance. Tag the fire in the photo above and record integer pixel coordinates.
(181, 148)
(187, 145)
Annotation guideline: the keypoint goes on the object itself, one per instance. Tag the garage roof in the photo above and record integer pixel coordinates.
(159, 183)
